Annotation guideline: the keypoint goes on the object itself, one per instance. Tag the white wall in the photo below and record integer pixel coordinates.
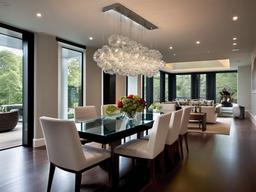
(93, 81)
(244, 86)
(120, 86)
(46, 79)
(253, 94)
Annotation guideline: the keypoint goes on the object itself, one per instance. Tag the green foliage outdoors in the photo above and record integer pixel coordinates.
(183, 86)
(10, 78)
(74, 82)
(156, 91)
(202, 86)
(228, 81)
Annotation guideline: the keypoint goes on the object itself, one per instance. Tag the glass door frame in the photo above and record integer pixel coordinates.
(64, 44)
(28, 84)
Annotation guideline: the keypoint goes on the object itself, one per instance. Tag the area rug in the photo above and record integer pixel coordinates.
(222, 126)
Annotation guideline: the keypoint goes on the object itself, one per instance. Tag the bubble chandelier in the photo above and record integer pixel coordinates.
(127, 57)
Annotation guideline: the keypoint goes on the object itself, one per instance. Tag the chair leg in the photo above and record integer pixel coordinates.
(181, 145)
(78, 181)
(176, 150)
(133, 163)
(186, 141)
(161, 159)
(152, 172)
(51, 174)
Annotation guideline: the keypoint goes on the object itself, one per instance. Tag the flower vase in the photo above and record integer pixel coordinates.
(130, 115)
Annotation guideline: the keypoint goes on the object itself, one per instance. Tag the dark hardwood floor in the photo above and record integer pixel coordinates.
(215, 163)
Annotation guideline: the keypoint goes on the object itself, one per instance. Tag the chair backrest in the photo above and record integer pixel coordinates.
(62, 143)
(174, 127)
(185, 120)
(167, 107)
(85, 113)
(158, 134)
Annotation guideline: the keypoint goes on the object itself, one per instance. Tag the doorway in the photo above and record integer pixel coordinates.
(16, 87)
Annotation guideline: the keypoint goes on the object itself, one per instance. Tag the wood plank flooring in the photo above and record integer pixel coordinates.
(215, 163)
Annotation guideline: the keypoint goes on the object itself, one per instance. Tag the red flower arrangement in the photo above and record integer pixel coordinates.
(131, 104)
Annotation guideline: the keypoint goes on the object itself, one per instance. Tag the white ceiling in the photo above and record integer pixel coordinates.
(181, 23)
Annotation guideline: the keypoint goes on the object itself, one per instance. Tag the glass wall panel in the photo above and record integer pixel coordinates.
(227, 81)
(166, 87)
(71, 81)
(183, 86)
(156, 87)
(202, 86)
(11, 88)
(132, 85)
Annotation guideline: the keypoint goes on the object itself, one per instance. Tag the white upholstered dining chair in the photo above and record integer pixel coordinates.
(167, 107)
(174, 127)
(184, 128)
(85, 113)
(65, 151)
(172, 140)
(148, 149)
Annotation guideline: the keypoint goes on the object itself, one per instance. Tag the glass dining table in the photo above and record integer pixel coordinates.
(111, 129)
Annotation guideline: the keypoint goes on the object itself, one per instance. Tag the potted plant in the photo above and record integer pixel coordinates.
(226, 98)
(130, 105)
(155, 107)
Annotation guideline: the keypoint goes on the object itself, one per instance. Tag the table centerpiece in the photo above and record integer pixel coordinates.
(130, 105)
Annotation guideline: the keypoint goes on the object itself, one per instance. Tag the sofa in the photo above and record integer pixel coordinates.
(207, 106)
(211, 115)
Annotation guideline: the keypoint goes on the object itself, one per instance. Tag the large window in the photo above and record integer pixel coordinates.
(71, 81)
(132, 85)
(227, 81)
(166, 87)
(156, 87)
(183, 86)
(144, 87)
(202, 86)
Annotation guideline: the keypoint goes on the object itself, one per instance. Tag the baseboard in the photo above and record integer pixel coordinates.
(252, 118)
(38, 142)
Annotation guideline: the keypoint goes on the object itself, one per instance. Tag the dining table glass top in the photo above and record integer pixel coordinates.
(108, 125)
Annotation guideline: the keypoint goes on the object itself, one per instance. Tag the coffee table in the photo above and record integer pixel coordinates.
(201, 118)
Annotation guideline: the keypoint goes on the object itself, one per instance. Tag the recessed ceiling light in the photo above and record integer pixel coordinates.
(234, 38)
(198, 42)
(235, 50)
(171, 48)
(234, 44)
(235, 18)
(90, 38)
(39, 15)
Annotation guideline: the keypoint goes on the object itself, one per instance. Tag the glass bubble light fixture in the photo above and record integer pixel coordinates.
(127, 57)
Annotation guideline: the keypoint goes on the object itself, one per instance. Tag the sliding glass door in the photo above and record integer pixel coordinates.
(11, 89)
(71, 81)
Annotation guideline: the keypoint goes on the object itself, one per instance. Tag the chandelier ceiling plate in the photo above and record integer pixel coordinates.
(131, 15)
